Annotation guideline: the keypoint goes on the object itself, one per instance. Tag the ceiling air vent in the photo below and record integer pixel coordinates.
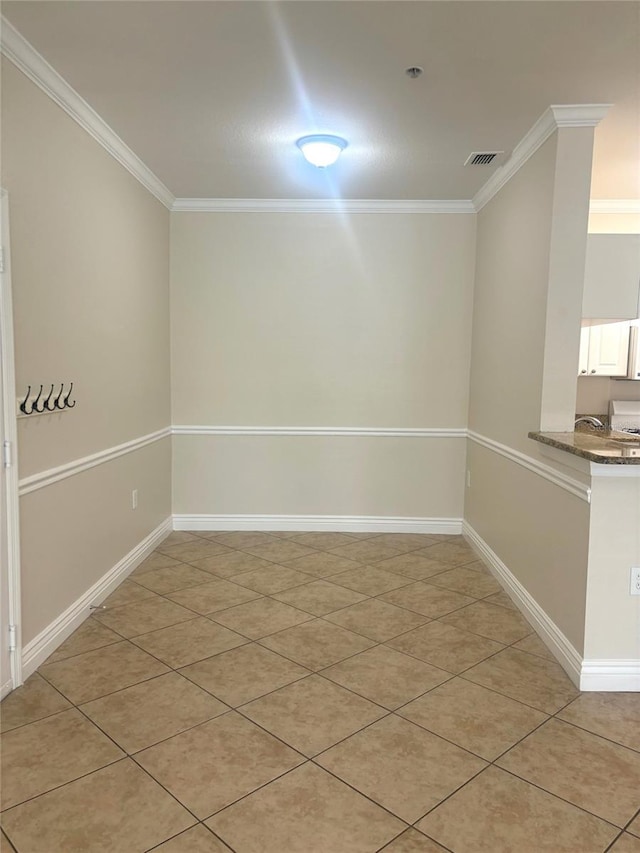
(483, 158)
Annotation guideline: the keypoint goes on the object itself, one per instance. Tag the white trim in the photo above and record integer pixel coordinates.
(48, 640)
(25, 57)
(611, 675)
(10, 433)
(333, 523)
(320, 430)
(614, 470)
(549, 633)
(615, 205)
(321, 205)
(574, 487)
(568, 115)
(70, 469)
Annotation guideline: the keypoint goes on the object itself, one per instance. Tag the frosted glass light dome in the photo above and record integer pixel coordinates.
(321, 150)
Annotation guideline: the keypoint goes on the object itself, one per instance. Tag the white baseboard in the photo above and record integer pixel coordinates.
(565, 653)
(619, 676)
(333, 523)
(47, 641)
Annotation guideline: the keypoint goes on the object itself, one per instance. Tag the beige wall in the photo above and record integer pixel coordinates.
(90, 290)
(594, 393)
(526, 327)
(319, 320)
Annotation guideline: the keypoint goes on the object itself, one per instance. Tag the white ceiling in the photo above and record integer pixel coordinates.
(213, 95)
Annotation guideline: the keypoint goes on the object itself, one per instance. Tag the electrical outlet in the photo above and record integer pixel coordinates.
(635, 580)
(134, 499)
(468, 479)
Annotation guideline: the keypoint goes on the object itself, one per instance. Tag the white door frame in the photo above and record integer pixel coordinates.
(10, 432)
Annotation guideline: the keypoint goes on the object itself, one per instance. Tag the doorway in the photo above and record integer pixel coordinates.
(10, 649)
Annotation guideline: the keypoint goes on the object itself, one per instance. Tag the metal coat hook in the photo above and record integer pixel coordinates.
(46, 402)
(67, 404)
(23, 404)
(56, 402)
(34, 407)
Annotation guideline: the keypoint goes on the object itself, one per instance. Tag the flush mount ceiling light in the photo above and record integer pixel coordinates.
(321, 150)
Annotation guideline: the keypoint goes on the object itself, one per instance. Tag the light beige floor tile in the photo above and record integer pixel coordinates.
(316, 644)
(323, 564)
(243, 538)
(100, 672)
(128, 592)
(455, 553)
(429, 600)
(5, 845)
(129, 620)
(386, 676)
(33, 701)
(526, 678)
(502, 600)
(306, 811)
(370, 580)
(498, 813)
(260, 618)
(230, 564)
(323, 541)
(229, 757)
(414, 566)
(401, 766)
(626, 844)
(49, 753)
(163, 581)
(279, 551)
(473, 717)
(135, 814)
(413, 841)
(467, 581)
(188, 642)
(377, 619)
(363, 535)
(213, 596)
(274, 579)
(89, 636)
(534, 646)
(196, 550)
(445, 646)
(487, 620)
(196, 840)
(312, 714)
(588, 771)
(405, 542)
(319, 597)
(147, 713)
(634, 826)
(366, 551)
(243, 674)
(179, 537)
(478, 566)
(155, 561)
(612, 715)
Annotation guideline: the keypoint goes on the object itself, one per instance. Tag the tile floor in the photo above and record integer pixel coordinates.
(314, 693)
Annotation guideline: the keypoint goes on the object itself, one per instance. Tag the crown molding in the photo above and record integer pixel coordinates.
(25, 57)
(615, 205)
(556, 116)
(288, 205)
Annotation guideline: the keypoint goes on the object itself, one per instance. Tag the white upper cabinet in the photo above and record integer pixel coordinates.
(604, 350)
(612, 277)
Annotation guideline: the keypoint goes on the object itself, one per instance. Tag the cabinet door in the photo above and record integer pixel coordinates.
(612, 277)
(608, 350)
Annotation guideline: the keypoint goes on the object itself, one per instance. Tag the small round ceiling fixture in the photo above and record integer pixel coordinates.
(321, 149)
(414, 71)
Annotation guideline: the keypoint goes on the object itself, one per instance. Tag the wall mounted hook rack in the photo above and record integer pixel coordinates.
(35, 404)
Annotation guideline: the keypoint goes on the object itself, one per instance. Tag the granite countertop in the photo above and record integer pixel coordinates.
(595, 445)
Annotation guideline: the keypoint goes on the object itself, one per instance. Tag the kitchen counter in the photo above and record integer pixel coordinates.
(595, 445)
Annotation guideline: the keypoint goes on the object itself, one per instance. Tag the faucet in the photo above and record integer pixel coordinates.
(587, 419)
